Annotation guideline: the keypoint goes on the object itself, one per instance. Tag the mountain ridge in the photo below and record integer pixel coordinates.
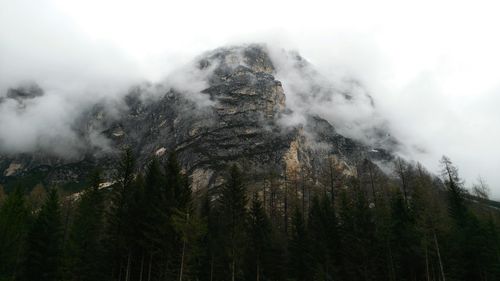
(238, 116)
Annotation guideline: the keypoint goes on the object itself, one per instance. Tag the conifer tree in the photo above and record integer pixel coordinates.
(260, 243)
(323, 237)
(177, 185)
(3, 195)
(233, 211)
(44, 242)
(456, 193)
(405, 242)
(14, 223)
(155, 221)
(84, 250)
(464, 256)
(190, 227)
(120, 251)
(430, 217)
(298, 248)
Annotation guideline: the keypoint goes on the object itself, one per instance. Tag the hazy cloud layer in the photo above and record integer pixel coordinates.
(432, 74)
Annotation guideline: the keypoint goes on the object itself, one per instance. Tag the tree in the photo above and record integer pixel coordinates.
(321, 227)
(259, 232)
(118, 217)
(233, 211)
(466, 232)
(481, 189)
(178, 189)
(299, 258)
(430, 220)
(14, 223)
(3, 196)
(357, 233)
(404, 239)
(84, 250)
(190, 228)
(44, 242)
(37, 197)
(401, 170)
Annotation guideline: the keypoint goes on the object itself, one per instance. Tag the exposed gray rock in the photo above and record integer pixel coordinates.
(27, 90)
(241, 126)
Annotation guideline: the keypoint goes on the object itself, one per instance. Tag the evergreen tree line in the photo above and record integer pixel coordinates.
(152, 226)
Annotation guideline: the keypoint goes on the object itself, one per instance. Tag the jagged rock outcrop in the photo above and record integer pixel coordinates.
(238, 122)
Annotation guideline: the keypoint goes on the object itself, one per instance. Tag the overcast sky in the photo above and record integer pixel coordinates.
(432, 66)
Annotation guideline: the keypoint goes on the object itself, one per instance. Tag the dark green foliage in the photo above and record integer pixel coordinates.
(178, 188)
(233, 202)
(120, 233)
(84, 249)
(299, 262)
(44, 242)
(322, 228)
(151, 226)
(14, 222)
(264, 251)
(404, 240)
(359, 244)
(190, 228)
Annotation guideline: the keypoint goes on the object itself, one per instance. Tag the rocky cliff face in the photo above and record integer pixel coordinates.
(236, 118)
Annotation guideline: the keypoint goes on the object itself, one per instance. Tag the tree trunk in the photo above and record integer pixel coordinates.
(303, 199)
(332, 181)
(370, 169)
(391, 263)
(427, 264)
(233, 269)
(182, 259)
(258, 271)
(286, 206)
(129, 260)
(120, 269)
(142, 267)
(401, 173)
(212, 268)
(439, 255)
(150, 265)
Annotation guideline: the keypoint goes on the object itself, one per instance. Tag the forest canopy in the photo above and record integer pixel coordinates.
(150, 225)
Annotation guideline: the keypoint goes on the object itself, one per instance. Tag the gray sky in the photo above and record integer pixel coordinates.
(432, 66)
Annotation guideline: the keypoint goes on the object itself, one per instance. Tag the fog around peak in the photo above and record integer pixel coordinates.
(431, 74)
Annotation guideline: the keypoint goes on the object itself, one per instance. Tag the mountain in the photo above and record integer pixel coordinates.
(229, 107)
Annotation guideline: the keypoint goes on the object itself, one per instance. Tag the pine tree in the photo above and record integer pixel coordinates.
(259, 234)
(323, 237)
(357, 232)
(209, 242)
(44, 242)
(120, 251)
(3, 196)
(14, 223)
(177, 185)
(466, 235)
(190, 229)
(405, 242)
(233, 211)
(155, 230)
(84, 250)
(298, 248)
(430, 217)
(456, 193)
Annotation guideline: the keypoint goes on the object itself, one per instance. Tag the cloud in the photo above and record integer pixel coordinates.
(434, 80)
(343, 101)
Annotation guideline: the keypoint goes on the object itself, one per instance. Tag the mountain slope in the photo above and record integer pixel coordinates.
(238, 113)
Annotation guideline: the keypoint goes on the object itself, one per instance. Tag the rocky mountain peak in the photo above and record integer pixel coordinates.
(27, 90)
(242, 124)
(254, 57)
